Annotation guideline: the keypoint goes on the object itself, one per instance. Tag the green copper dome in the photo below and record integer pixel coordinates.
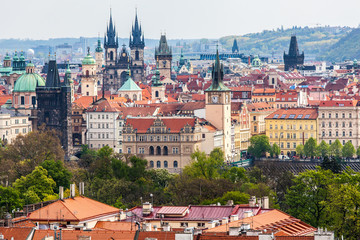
(28, 82)
(30, 64)
(15, 58)
(88, 60)
(99, 48)
(7, 57)
(22, 58)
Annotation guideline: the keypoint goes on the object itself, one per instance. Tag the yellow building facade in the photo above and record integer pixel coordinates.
(289, 128)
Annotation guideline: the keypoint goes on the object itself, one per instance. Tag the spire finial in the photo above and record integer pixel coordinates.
(88, 49)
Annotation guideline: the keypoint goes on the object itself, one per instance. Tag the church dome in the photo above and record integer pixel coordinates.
(15, 58)
(28, 82)
(22, 58)
(88, 60)
(7, 57)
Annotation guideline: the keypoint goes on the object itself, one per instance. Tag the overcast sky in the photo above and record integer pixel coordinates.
(43, 19)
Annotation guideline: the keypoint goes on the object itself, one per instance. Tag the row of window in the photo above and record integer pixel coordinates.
(102, 125)
(158, 138)
(288, 145)
(22, 100)
(336, 134)
(156, 151)
(17, 131)
(336, 124)
(337, 115)
(166, 164)
(291, 136)
(292, 127)
(99, 135)
(102, 116)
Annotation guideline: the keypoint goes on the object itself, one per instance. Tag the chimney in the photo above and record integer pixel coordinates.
(234, 218)
(234, 231)
(265, 202)
(248, 214)
(147, 208)
(259, 202)
(81, 188)
(72, 190)
(61, 193)
(252, 201)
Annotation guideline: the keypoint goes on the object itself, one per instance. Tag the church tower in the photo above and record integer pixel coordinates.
(235, 48)
(88, 77)
(99, 57)
(111, 46)
(157, 87)
(54, 107)
(163, 54)
(218, 105)
(294, 58)
(137, 45)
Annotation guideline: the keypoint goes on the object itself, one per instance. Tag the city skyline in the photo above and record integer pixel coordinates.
(188, 20)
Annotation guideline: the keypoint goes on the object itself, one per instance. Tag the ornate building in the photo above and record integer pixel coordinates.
(116, 65)
(293, 58)
(54, 106)
(163, 56)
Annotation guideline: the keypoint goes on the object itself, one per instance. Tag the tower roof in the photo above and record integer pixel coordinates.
(163, 48)
(217, 83)
(28, 82)
(129, 85)
(235, 48)
(52, 78)
(88, 60)
(111, 39)
(99, 48)
(293, 48)
(136, 36)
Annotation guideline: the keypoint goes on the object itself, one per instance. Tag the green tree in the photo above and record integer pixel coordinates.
(101, 167)
(205, 167)
(323, 149)
(259, 145)
(348, 151)
(87, 156)
(335, 148)
(275, 149)
(236, 175)
(307, 196)
(36, 186)
(9, 200)
(331, 164)
(138, 167)
(58, 172)
(358, 152)
(300, 150)
(310, 147)
(236, 196)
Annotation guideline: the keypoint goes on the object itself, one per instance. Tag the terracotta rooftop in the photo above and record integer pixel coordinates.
(294, 114)
(274, 220)
(72, 209)
(116, 226)
(15, 232)
(338, 103)
(94, 234)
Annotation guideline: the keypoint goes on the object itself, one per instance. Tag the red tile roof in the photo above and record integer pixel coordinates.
(338, 103)
(294, 114)
(94, 234)
(15, 232)
(116, 226)
(157, 235)
(172, 210)
(175, 124)
(72, 209)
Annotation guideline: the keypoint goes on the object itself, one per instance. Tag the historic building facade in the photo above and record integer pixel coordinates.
(339, 119)
(166, 142)
(289, 128)
(117, 64)
(163, 57)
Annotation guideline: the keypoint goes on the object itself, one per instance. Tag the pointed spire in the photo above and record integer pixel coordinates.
(235, 48)
(136, 37)
(217, 75)
(111, 40)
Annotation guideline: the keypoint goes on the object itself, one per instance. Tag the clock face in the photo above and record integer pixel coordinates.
(124, 54)
(215, 99)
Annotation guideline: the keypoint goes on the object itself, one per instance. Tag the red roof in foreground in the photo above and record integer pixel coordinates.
(72, 209)
(94, 234)
(15, 232)
(174, 124)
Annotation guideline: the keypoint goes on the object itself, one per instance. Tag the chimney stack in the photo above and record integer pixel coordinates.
(265, 202)
(61, 193)
(72, 190)
(252, 201)
(81, 188)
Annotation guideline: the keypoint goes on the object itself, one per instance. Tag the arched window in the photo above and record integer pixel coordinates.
(111, 56)
(158, 164)
(156, 93)
(175, 164)
(87, 73)
(165, 151)
(134, 97)
(151, 164)
(151, 150)
(126, 96)
(165, 164)
(136, 55)
(158, 150)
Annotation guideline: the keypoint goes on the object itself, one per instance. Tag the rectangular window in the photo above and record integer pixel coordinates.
(24, 121)
(294, 145)
(128, 150)
(175, 150)
(141, 150)
(90, 116)
(24, 130)
(16, 131)
(288, 145)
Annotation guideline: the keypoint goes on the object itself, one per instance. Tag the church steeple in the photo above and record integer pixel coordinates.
(235, 48)
(294, 58)
(136, 36)
(217, 76)
(111, 39)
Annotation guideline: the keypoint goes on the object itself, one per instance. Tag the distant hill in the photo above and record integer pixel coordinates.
(347, 48)
(313, 41)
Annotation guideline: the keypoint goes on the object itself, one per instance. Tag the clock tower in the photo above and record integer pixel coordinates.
(163, 56)
(218, 105)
